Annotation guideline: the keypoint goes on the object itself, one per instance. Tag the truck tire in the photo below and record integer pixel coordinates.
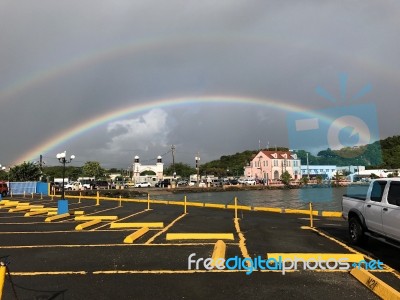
(356, 232)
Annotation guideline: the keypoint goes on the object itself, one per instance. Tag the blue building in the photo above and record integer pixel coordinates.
(326, 171)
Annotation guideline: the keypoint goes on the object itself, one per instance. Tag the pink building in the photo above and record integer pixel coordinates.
(269, 165)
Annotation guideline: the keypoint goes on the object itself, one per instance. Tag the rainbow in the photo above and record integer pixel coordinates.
(54, 141)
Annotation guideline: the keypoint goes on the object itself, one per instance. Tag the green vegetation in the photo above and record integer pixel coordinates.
(230, 165)
(286, 178)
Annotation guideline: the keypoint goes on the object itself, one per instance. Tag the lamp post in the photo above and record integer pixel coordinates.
(61, 158)
(197, 168)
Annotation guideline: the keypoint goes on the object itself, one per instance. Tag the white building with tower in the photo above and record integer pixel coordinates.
(157, 169)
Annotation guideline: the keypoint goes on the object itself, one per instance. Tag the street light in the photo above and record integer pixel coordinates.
(197, 158)
(61, 158)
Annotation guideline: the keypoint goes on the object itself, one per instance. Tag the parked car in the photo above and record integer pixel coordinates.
(143, 184)
(3, 189)
(182, 183)
(249, 182)
(375, 215)
(102, 185)
(163, 183)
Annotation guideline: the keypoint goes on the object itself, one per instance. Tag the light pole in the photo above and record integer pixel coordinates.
(197, 158)
(61, 158)
(308, 170)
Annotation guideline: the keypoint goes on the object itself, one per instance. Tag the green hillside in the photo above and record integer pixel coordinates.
(368, 155)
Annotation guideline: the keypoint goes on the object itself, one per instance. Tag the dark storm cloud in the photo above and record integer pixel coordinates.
(65, 62)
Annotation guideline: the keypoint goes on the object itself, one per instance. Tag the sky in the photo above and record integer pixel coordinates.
(110, 80)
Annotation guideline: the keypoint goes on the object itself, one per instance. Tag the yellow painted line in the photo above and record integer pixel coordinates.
(165, 271)
(4, 201)
(19, 209)
(134, 214)
(331, 214)
(242, 207)
(213, 205)
(198, 204)
(157, 201)
(218, 256)
(299, 211)
(176, 202)
(22, 203)
(268, 209)
(242, 240)
(137, 225)
(52, 213)
(3, 271)
(88, 218)
(56, 217)
(137, 234)
(111, 245)
(165, 229)
(87, 224)
(48, 273)
(351, 257)
(46, 209)
(79, 212)
(199, 236)
(374, 284)
(35, 213)
(31, 206)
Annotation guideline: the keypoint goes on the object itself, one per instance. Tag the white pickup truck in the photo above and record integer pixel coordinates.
(375, 215)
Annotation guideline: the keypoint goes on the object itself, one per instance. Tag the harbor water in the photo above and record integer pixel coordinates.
(322, 198)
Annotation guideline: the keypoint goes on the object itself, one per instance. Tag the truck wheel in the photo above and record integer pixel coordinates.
(356, 232)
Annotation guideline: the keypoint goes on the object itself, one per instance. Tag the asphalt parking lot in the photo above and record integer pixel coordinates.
(53, 259)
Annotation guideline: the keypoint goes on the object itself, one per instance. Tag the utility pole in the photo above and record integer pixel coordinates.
(308, 171)
(173, 159)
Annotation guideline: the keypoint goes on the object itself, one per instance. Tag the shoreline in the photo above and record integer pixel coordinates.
(140, 192)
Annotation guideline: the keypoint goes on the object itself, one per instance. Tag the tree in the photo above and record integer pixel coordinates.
(93, 169)
(319, 179)
(27, 171)
(181, 169)
(286, 177)
(304, 180)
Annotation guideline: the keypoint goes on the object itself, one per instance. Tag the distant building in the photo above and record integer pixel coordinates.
(269, 165)
(350, 169)
(325, 171)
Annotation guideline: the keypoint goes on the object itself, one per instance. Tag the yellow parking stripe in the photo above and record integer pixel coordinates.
(87, 224)
(376, 285)
(103, 218)
(218, 253)
(137, 234)
(56, 217)
(199, 236)
(137, 225)
(351, 257)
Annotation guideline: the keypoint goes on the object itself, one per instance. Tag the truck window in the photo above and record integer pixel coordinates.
(394, 193)
(377, 190)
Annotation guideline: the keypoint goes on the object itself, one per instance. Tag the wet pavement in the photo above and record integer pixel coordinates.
(46, 258)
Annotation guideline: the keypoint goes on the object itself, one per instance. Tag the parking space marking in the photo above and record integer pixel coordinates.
(113, 245)
(137, 234)
(374, 284)
(57, 217)
(89, 218)
(199, 236)
(87, 224)
(351, 257)
(218, 254)
(386, 267)
(242, 240)
(165, 229)
(132, 215)
(137, 225)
